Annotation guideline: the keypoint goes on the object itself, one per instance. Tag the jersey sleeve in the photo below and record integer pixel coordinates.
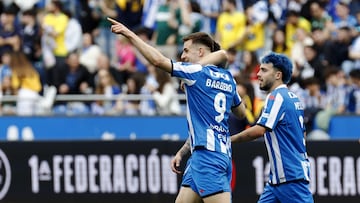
(237, 100)
(273, 111)
(188, 72)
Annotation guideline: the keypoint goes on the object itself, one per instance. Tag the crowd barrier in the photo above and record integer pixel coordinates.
(139, 171)
(128, 128)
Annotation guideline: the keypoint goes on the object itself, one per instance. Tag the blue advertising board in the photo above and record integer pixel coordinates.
(93, 128)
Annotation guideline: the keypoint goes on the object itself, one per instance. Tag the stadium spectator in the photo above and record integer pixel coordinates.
(54, 24)
(353, 98)
(313, 100)
(253, 39)
(233, 65)
(10, 31)
(107, 86)
(354, 52)
(343, 17)
(165, 95)
(278, 43)
(148, 106)
(129, 12)
(6, 89)
(104, 38)
(73, 33)
(320, 19)
(293, 22)
(336, 51)
(133, 87)
(230, 25)
(164, 36)
(103, 62)
(89, 52)
(88, 15)
(74, 80)
(126, 58)
(191, 21)
(297, 55)
(334, 96)
(210, 11)
(25, 83)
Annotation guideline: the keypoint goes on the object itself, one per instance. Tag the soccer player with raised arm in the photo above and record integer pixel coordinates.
(282, 125)
(211, 96)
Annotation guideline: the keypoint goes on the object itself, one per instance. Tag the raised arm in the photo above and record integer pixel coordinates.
(150, 53)
(215, 58)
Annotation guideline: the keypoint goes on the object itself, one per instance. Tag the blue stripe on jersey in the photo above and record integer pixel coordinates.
(283, 115)
(210, 93)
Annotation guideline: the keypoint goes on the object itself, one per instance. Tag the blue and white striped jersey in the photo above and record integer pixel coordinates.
(283, 116)
(210, 93)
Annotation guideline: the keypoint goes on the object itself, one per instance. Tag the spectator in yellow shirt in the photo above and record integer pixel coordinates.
(54, 24)
(230, 25)
(25, 82)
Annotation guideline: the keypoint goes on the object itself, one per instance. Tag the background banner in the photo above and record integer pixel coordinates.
(139, 171)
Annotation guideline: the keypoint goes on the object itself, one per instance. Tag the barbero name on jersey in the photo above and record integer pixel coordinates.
(217, 84)
(99, 174)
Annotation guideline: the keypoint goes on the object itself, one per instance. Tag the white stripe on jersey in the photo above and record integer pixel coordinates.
(188, 82)
(191, 128)
(272, 169)
(210, 140)
(189, 68)
(274, 111)
(279, 164)
(223, 147)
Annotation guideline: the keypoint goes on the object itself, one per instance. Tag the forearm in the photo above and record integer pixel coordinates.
(216, 57)
(150, 53)
(249, 134)
(185, 149)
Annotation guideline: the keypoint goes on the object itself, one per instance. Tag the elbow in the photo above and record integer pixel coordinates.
(158, 61)
(225, 55)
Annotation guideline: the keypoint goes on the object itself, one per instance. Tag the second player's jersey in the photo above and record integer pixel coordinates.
(283, 116)
(210, 94)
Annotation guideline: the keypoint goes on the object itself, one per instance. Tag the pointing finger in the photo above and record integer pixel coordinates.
(114, 22)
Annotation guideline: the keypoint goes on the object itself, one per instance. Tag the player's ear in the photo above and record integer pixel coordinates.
(278, 75)
(201, 52)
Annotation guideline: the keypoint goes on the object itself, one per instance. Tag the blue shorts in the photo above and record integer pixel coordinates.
(294, 192)
(208, 173)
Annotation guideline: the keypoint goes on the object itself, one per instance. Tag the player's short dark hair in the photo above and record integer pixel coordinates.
(204, 39)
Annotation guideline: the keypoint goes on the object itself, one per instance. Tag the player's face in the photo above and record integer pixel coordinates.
(190, 52)
(267, 76)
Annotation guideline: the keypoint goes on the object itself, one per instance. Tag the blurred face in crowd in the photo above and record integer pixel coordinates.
(73, 61)
(315, 10)
(342, 10)
(51, 7)
(103, 62)
(6, 19)
(104, 77)
(87, 39)
(279, 37)
(309, 53)
(226, 5)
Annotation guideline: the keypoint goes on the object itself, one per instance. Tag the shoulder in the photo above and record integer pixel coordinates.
(187, 67)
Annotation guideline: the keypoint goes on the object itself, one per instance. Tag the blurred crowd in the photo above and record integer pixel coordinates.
(65, 47)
